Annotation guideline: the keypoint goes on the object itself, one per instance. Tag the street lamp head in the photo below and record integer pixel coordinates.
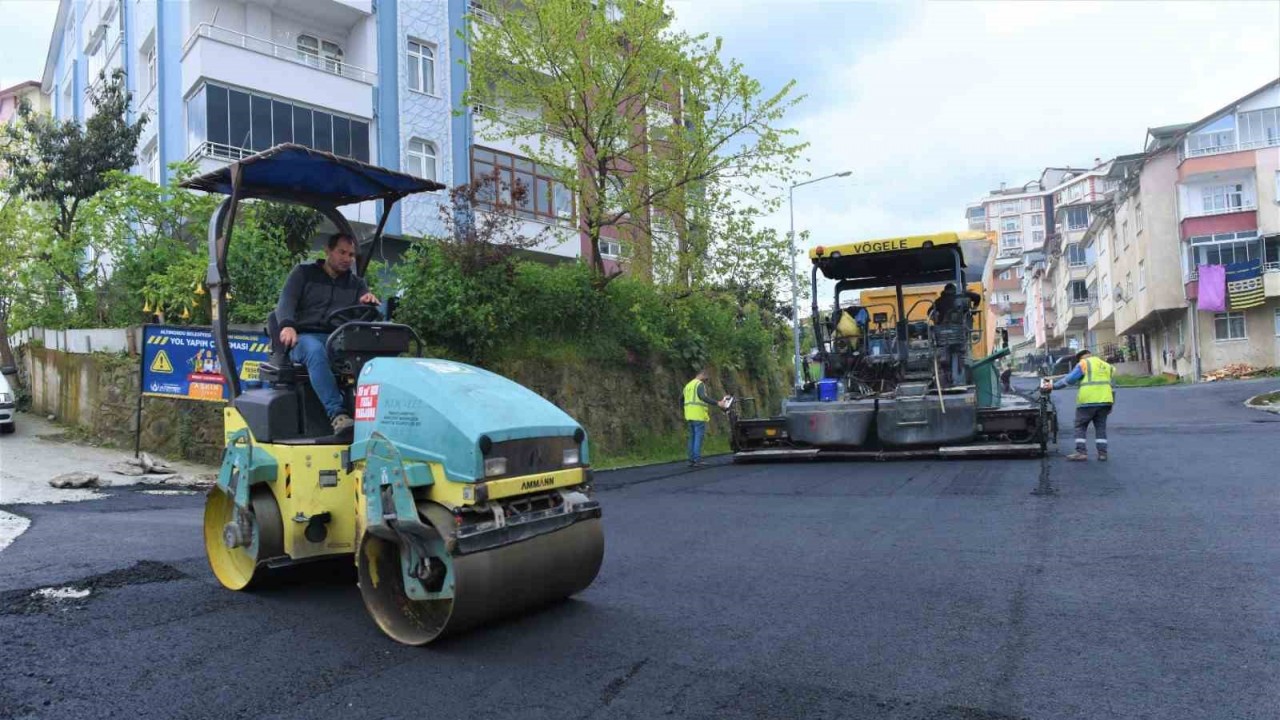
(846, 173)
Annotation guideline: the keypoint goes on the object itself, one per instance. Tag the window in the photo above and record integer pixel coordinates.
(1037, 220)
(1222, 198)
(1037, 203)
(1010, 223)
(421, 159)
(422, 67)
(611, 248)
(1229, 326)
(1010, 242)
(152, 77)
(1076, 256)
(547, 200)
(1079, 291)
(1137, 218)
(320, 53)
(1077, 218)
(1142, 274)
(234, 123)
(1217, 136)
(1124, 233)
(1277, 322)
(1271, 251)
(1010, 207)
(1128, 286)
(151, 163)
(1225, 248)
(1260, 128)
(1037, 236)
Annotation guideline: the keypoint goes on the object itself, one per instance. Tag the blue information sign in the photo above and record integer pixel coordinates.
(181, 361)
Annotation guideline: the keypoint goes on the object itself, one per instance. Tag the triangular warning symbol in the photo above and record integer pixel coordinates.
(161, 363)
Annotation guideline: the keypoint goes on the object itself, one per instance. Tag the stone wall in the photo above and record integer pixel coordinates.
(618, 405)
(98, 394)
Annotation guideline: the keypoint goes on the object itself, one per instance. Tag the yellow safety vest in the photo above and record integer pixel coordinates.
(1095, 389)
(695, 408)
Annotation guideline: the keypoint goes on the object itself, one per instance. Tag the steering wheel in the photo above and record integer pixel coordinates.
(354, 313)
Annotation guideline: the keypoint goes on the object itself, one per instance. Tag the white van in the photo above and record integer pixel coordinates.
(8, 406)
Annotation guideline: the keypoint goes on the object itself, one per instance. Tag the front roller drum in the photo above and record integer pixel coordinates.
(238, 545)
(486, 585)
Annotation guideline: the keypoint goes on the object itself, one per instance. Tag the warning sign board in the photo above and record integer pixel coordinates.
(181, 362)
(161, 363)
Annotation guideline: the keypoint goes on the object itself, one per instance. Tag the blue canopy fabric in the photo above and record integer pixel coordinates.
(295, 173)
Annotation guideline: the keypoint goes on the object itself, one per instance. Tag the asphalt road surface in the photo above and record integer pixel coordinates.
(1148, 587)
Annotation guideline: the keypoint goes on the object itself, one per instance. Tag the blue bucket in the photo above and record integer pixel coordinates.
(828, 389)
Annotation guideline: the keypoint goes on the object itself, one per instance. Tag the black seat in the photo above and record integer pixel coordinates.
(280, 368)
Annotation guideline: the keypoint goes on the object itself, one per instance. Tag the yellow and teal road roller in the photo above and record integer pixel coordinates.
(461, 495)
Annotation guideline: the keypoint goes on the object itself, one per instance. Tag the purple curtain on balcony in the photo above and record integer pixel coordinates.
(1213, 288)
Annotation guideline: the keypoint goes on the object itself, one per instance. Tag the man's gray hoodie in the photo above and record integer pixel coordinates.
(309, 296)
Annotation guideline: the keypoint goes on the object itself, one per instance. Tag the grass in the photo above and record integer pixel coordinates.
(659, 449)
(1143, 381)
(1265, 400)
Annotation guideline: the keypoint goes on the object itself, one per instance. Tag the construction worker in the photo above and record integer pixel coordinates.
(697, 413)
(1093, 402)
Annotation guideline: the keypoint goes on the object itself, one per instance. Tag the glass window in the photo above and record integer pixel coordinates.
(1079, 291)
(238, 112)
(360, 140)
(281, 122)
(1229, 326)
(1010, 207)
(1277, 319)
(302, 127)
(216, 100)
(322, 130)
(1037, 203)
(309, 50)
(261, 122)
(1011, 223)
(197, 117)
(341, 136)
(331, 55)
(422, 67)
(1076, 256)
(1037, 220)
(1077, 218)
(1142, 274)
(1223, 198)
(421, 158)
(547, 200)
(152, 79)
(1037, 236)
(1260, 127)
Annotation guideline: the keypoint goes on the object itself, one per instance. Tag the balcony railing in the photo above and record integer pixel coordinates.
(218, 151)
(1229, 147)
(1242, 207)
(280, 52)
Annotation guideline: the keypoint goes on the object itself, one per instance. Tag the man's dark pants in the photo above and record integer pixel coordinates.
(1096, 414)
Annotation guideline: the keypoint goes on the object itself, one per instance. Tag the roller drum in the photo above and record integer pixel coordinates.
(487, 585)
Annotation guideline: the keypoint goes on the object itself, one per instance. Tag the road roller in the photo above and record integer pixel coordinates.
(460, 495)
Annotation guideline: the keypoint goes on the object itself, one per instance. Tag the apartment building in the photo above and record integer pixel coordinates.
(1205, 193)
(12, 97)
(1068, 259)
(373, 80)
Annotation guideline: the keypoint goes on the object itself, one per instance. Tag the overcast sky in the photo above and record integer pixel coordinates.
(931, 105)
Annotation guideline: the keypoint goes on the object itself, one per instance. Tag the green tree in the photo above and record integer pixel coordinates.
(642, 121)
(64, 164)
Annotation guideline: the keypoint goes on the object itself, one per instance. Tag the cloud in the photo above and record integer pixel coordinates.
(932, 105)
(26, 26)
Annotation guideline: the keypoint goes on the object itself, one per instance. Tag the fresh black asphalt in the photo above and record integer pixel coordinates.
(1148, 587)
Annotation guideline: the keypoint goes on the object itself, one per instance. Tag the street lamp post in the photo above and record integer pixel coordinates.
(795, 290)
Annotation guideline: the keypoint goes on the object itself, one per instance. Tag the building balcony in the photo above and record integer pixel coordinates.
(252, 63)
(1214, 161)
(1237, 220)
(1077, 271)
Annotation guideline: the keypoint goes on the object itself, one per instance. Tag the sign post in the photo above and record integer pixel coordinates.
(181, 362)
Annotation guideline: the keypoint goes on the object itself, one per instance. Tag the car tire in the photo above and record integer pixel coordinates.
(8, 429)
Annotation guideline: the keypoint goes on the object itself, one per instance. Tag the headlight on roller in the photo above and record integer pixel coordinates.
(495, 466)
(571, 456)
(6, 398)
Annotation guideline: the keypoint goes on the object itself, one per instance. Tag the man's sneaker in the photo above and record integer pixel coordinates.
(340, 422)
(1102, 456)
(1077, 457)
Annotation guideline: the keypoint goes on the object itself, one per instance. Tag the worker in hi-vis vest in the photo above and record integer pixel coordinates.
(697, 413)
(1097, 395)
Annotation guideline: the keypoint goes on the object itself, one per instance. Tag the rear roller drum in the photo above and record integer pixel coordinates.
(237, 544)
(485, 585)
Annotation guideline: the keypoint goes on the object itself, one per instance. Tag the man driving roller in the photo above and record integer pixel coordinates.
(312, 291)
